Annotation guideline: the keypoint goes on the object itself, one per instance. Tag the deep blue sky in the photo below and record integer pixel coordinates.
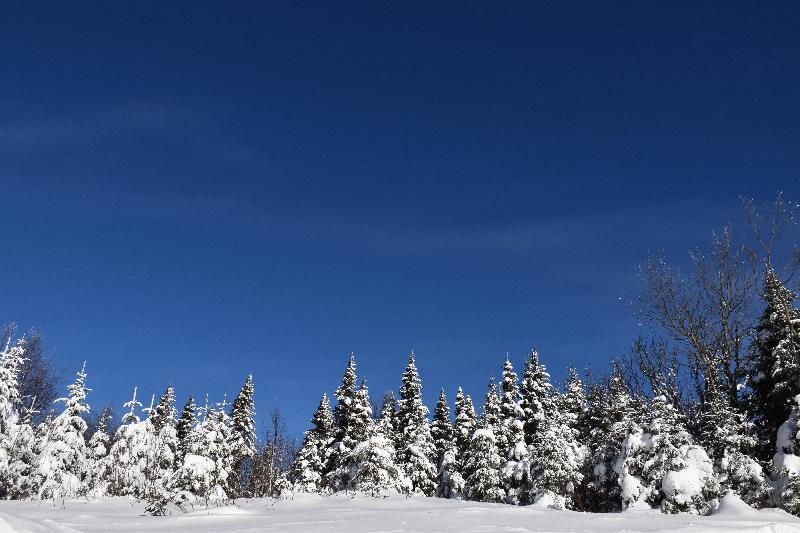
(191, 191)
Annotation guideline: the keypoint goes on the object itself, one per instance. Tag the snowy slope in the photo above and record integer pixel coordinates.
(310, 513)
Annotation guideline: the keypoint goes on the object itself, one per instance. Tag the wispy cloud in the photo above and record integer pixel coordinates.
(160, 123)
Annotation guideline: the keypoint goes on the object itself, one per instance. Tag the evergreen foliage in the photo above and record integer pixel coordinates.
(416, 453)
(776, 354)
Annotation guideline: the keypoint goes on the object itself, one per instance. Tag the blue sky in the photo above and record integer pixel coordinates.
(195, 191)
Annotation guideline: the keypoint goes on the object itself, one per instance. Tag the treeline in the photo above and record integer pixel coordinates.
(208, 453)
(708, 402)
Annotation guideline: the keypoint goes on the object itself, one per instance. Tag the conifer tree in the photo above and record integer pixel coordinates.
(164, 412)
(161, 463)
(516, 471)
(441, 428)
(535, 392)
(16, 435)
(387, 418)
(243, 433)
(510, 409)
(342, 420)
(205, 471)
(97, 457)
(374, 470)
(610, 418)
(491, 411)
(61, 467)
(557, 462)
(184, 430)
(776, 353)
(572, 404)
(416, 453)
(130, 454)
(465, 425)
(725, 435)
(482, 467)
(308, 469)
(131, 417)
(786, 462)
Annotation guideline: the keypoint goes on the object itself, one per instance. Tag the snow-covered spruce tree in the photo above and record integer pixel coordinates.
(130, 453)
(786, 462)
(161, 463)
(243, 433)
(516, 471)
(387, 417)
(510, 409)
(449, 482)
(205, 471)
(16, 435)
(441, 428)
(725, 435)
(776, 353)
(465, 425)
(610, 418)
(184, 430)
(572, 404)
(660, 466)
(416, 454)
(342, 422)
(372, 460)
(557, 462)
(98, 471)
(482, 467)
(308, 469)
(535, 392)
(61, 467)
(490, 418)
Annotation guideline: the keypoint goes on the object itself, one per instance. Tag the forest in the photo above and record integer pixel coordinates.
(705, 403)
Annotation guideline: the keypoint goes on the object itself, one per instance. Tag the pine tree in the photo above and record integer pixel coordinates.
(342, 420)
(131, 417)
(776, 354)
(572, 404)
(97, 456)
(243, 433)
(786, 462)
(491, 411)
(465, 425)
(164, 412)
(510, 409)
(205, 471)
(416, 453)
(61, 467)
(130, 454)
(535, 392)
(449, 482)
(308, 469)
(16, 435)
(725, 435)
(161, 463)
(516, 471)
(557, 462)
(610, 418)
(441, 428)
(482, 467)
(387, 418)
(373, 460)
(184, 430)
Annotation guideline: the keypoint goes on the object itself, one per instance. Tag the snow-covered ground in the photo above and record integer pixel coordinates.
(361, 514)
